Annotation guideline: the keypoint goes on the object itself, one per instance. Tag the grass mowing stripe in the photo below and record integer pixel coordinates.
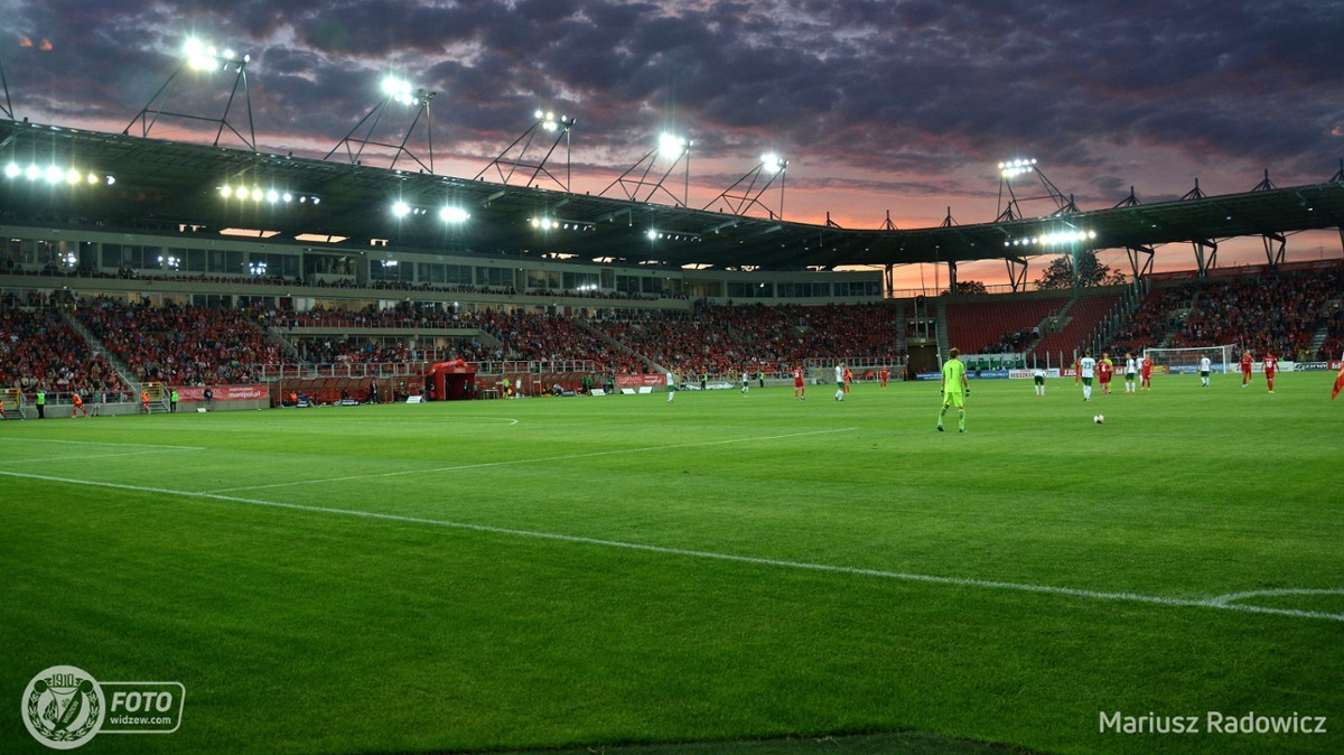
(510, 462)
(80, 457)
(1220, 603)
(100, 443)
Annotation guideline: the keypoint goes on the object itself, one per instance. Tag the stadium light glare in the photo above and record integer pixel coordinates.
(287, 197)
(454, 215)
(671, 146)
(1015, 168)
(272, 196)
(73, 177)
(400, 209)
(32, 173)
(111, 180)
(226, 191)
(92, 178)
(54, 174)
(203, 56)
(256, 194)
(399, 90)
(12, 170)
(773, 162)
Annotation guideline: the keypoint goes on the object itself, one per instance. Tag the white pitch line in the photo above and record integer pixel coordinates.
(99, 443)
(987, 584)
(1233, 597)
(511, 462)
(145, 452)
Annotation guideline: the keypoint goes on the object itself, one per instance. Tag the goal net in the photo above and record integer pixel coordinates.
(1188, 359)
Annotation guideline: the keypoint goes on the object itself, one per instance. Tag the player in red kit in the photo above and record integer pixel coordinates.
(1146, 374)
(849, 378)
(1246, 361)
(799, 390)
(883, 375)
(1105, 370)
(1271, 369)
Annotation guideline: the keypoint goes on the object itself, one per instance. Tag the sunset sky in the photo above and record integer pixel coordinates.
(900, 106)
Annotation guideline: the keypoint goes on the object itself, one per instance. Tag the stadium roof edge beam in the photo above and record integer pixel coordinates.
(169, 183)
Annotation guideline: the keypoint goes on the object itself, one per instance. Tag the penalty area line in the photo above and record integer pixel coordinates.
(513, 462)
(1219, 604)
(100, 443)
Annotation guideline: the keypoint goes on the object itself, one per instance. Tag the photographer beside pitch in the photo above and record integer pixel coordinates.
(955, 389)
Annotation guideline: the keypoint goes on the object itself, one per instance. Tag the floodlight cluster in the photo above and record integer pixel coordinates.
(773, 162)
(1014, 168)
(55, 175)
(171, 262)
(270, 196)
(450, 214)
(1055, 238)
(551, 224)
(653, 234)
(256, 268)
(550, 122)
(203, 56)
(671, 146)
(399, 90)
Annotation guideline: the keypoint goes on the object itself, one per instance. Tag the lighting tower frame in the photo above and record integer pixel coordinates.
(1011, 210)
(8, 107)
(632, 186)
(750, 196)
(503, 160)
(149, 115)
(423, 99)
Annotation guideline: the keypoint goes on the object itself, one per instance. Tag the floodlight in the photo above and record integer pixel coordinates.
(33, 172)
(1091, 234)
(317, 200)
(111, 180)
(773, 162)
(672, 146)
(287, 197)
(452, 214)
(399, 89)
(12, 170)
(272, 196)
(400, 209)
(538, 115)
(54, 174)
(92, 178)
(73, 176)
(256, 194)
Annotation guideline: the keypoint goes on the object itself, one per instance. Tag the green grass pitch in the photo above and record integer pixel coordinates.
(571, 572)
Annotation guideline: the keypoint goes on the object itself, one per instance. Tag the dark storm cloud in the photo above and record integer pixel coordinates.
(862, 88)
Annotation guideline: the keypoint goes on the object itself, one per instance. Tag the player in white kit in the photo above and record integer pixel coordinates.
(1087, 367)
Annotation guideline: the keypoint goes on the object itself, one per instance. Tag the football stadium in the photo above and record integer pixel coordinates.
(388, 440)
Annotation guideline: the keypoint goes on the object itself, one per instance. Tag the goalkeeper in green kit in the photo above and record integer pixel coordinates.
(955, 389)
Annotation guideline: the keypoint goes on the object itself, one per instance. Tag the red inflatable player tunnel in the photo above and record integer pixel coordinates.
(453, 380)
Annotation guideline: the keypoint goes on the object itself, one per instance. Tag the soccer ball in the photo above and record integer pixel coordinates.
(1098, 419)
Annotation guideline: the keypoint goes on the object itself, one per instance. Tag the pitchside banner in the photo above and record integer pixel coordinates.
(1052, 372)
(637, 381)
(224, 392)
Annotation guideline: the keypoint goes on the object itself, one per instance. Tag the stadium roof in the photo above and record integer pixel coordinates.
(162, 184)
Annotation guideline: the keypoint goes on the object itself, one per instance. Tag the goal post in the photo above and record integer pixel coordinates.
(1187, 359)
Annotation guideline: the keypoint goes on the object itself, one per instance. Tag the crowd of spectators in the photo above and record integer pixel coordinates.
(181, 345)
(726, 340)
(1279, 312)
(39, 349)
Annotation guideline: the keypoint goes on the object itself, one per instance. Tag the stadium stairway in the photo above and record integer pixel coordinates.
(291, 351)
(618, 346)
(1318, 338)
(128, 378)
